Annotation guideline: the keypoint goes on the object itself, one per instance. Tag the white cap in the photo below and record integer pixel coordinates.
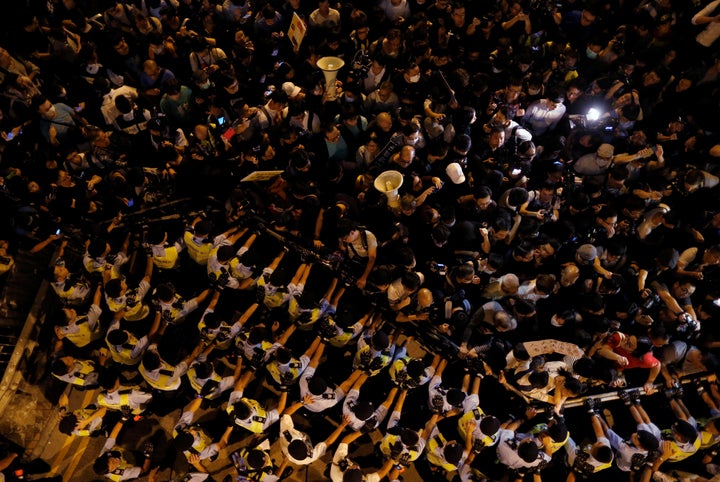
(455, 173)
(290, 89)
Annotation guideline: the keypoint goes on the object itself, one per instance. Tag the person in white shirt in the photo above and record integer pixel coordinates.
(193, 440)
(296, 445)
(316, 393)
(710, 17)
(362, 415)
(324, 16)
(542, 116)
(344, 469)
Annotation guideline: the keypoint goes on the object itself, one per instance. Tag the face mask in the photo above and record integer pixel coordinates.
(590, 54)
(533, 91)
(51, 112)
(411, 142)
(92, 69)
(158, 50)
(414, 79)
(205, 85)
(129, 116)
(349, 99)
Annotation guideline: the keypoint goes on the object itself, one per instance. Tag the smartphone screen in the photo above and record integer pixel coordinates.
(221, 121)
(10, 135)
(57, 233)
(130, 203)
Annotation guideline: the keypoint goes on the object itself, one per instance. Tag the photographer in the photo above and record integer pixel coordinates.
(676, 298)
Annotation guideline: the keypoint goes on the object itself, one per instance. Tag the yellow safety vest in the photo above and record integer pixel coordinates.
(173, 308)
(195, 381)
(164, 381)
(123, 354)
(679, 454)
(116, 475)
(708, 439)
(408, 454)
(434, 443)
(82, 369)
(168, 260)
(220, 335)
(255, 474)
(198, 252)
(256, 423)
(84, 336)
(200, 442)
(124, 401)
(134, 311)
(285, 374)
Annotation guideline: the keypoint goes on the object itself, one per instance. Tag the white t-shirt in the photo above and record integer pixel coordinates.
(288, 427)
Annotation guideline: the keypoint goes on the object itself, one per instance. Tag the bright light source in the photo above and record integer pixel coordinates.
(593, 114)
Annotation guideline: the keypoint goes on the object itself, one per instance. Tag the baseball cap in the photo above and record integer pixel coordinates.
(587, 252)
(606, 150)
(290, 89)
(455, 173)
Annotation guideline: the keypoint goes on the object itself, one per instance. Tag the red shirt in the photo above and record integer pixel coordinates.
(645, 361)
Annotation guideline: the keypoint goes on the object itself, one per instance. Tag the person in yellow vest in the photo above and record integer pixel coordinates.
(683, 443)
(215, 331)
(446, 456)
(82, 374)
(165, 255)
(198, 242)
(402, 446)
(113, 461)
(81, 330)
(206, 382)
(407, 372)
(120, 297)
(228, 268)
(98, 258)
(306, 311)
(250, 414)
(374, 353)
(339, 329)
(296, 446)
(591, 459)
(193, 441)
(72, 289)
(485, 427)
(270, 286)
(284, 370)
(125, 348)
(255, 344)
(161, 375)
(130, 400)
(82, 422)
(254, 464)
(362, 414)
(344, 469)
(173, 307)
(314, 390)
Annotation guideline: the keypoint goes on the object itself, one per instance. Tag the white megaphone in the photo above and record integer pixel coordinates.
(330, 67)
(388, 183)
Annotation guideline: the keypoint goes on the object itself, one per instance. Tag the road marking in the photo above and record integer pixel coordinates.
(67, 476)
(60, 457)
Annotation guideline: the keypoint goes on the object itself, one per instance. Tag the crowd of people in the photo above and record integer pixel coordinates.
(512, 197)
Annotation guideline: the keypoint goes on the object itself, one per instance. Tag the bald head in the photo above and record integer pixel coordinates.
(384, 121)
(424, 298)
(569, 275)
